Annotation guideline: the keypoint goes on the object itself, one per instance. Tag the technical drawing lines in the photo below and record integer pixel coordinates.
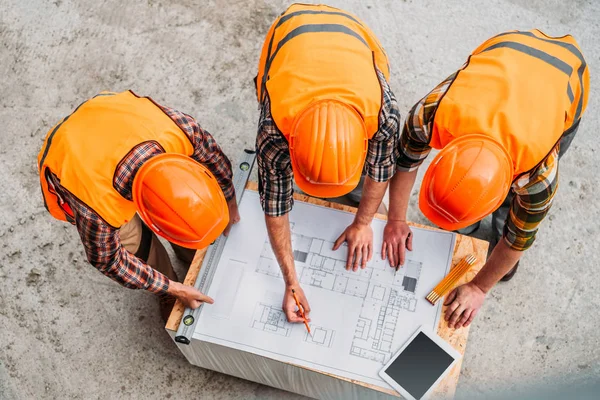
(376, 326)
(320, 336)
(271, 319)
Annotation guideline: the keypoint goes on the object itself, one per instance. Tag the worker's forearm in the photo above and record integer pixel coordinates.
(370, 201)
(281, 243)
(400, 188)
(502, 260)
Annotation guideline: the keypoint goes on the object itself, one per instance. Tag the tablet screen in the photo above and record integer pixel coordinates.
(419, 365)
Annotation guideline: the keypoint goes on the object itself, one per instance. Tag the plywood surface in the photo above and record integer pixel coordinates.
(457, 338)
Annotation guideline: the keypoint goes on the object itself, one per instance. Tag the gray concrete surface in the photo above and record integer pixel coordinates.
(68, 332)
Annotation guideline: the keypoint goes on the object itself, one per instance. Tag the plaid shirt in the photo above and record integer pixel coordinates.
(533, 190)
(101, 241)
(275, 173)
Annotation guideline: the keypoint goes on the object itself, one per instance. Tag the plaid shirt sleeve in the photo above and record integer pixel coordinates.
(380, 164)
(206, 150)
(104, 251)
(534, 193)
(414, 147)
(275, 175)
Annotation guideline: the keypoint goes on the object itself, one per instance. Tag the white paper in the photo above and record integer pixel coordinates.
(358, 319)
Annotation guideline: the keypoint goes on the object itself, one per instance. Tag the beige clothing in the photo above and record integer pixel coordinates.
(138, 239)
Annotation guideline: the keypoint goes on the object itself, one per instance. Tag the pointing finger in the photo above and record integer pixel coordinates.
(204, 298)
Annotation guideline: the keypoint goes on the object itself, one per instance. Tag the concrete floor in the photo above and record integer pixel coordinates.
(66, 331)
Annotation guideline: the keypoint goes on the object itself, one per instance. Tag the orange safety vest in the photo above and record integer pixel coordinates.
(315, 52)
(524, 89)
(84, 150)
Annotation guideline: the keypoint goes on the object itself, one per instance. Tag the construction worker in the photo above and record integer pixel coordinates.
(124, 169)
(502, 122)
(327, 117)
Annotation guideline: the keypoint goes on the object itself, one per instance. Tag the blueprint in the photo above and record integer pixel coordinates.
(358, 319)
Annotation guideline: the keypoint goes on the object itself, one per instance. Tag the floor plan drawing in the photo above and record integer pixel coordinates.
(358, 319)
(320, 336)
(271, 319)
(384, 291)
(318, 265)
(378, 321)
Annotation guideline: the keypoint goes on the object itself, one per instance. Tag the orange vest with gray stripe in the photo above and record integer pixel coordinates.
(524, 89)
(85, 149)
(316, 52)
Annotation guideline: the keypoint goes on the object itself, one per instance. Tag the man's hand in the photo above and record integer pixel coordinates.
(281, 243)
(397, 238)
(189, 296)
(463, 304)
(234, 215)
(360, 245)
(289, 306)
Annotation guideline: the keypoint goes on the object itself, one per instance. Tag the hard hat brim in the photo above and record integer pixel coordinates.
(324, 190)
(437, 218)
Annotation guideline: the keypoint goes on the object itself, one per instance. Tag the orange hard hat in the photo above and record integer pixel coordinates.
(328, 146)
(180, 200)
(465, 182)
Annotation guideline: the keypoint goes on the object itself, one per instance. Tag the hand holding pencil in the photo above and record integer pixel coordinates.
(301, 311)
(295, 305)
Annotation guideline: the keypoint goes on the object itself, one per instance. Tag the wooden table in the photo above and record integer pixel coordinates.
(457, 338)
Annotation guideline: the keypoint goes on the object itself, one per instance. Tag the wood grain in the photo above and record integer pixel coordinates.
(457, 338)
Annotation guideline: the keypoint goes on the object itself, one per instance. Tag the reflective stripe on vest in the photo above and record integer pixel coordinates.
(519, 88)
(309, 29)
(305, 55)
(580, 71)
(86, 147)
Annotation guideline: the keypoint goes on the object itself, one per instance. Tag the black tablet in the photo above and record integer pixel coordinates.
(419, 365)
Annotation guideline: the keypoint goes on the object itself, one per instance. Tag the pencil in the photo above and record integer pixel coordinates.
(301, 310)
